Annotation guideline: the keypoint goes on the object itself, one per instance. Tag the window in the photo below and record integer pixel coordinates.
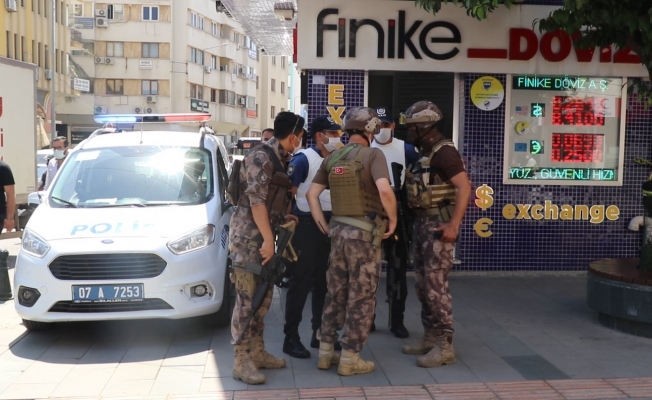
(282, 62)
(256, 82)
(45, 8)
(213, 95)
(39, 56)
(150, 50)
(196, 56)
(115, 49)
(149, 87)
(23, 47)
(197, 21)
(78, 9)
(114, 86)
(115, 11)
(150, 13)
(47, 56)
(227, 97)
(282, 86)
(193, 91)
(273, 112)
(251, 102)
(213, 62)
(236, 37)
(273, 60)
(200, 92)
(213, 28)
(273, 86)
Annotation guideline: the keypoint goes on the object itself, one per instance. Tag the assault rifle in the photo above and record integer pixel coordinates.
(272, 273)
(393, 262)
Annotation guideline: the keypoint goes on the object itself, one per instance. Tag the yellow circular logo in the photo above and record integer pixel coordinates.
(487, 93)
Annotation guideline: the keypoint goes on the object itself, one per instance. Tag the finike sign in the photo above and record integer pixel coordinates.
(394, 35)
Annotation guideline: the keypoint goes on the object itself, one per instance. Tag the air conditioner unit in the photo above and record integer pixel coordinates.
(99, 60)
(151, 99)
(208, 69)
(243, 100)
(49, 74)
(149, 111)
(224, 68)
(108, 60)
(101, 110)
(239, 47)
(11, 5)
(101, 22)
(100, 12)
(137, 110)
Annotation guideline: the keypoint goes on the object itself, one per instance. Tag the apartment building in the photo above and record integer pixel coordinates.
(273, 88)
(25, 33)
(160, 57)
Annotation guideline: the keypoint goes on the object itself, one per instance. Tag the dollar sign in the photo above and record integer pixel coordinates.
(484, 197)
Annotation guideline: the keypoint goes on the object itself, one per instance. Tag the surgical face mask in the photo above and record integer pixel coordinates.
(333, 144)
(59, 154)
(297, 147)
(383, 135)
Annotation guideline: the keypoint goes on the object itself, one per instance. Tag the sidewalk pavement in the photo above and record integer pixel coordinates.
(518, 336)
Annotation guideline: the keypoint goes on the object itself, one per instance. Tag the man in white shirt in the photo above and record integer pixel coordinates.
(60, 147)
(405, 154)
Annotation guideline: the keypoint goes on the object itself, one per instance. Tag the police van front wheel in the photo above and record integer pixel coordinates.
(36, 325)
(223, 316)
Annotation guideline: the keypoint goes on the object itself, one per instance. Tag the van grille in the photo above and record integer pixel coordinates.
(107, 266)
(144, 305)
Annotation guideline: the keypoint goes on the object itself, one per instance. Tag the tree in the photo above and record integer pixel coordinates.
(622, 23)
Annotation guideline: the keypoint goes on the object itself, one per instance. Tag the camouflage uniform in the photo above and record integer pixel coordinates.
(433, 260)
(245, 240)
(352, 283)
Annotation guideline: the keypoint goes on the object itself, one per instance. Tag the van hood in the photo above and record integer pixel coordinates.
(79, 223)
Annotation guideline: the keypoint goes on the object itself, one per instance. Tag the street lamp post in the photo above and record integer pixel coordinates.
(53, 60)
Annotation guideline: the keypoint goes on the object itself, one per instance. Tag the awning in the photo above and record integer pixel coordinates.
(260, 23)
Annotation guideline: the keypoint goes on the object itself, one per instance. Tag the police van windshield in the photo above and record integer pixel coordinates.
(138, 176)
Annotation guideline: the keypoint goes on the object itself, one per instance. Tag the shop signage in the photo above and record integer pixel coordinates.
(198, 105)
(83, 85)
(595, 214)
(252, 114)
(386, 35)
(84, 23)
(335, 100)
(487, 93)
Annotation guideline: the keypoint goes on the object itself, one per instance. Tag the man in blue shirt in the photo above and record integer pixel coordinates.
(405, 154)
(308, 240)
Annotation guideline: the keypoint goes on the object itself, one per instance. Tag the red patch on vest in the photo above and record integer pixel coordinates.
(339, 170)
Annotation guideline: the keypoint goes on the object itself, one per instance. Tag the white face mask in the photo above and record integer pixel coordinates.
(333, 144)
(383, 135)
(59, 154)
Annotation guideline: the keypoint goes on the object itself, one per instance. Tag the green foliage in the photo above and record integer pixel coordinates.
(601, 22)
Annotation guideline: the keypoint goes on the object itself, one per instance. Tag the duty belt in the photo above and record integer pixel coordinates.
(375, 229)
(358, 223)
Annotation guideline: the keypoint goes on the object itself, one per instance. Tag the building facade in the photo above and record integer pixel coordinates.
(164, 57)
(273, 89)
(25, 35)
(548, 132)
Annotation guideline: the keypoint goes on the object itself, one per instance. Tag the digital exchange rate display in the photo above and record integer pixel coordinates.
(564, 130)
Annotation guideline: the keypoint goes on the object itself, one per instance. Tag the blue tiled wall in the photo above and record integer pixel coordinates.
(353, 82)
(546, 244)
(527, 244)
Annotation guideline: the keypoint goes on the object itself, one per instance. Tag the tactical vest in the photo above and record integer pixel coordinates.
(279, 192)
(426, 190)
(349, 196)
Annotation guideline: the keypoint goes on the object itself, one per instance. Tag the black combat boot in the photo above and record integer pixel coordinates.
(293, 346)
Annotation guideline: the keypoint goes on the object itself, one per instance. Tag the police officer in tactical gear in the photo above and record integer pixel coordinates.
(262, 203)
(405, 154)
(361, 196)
(309, 241)
(438, 191)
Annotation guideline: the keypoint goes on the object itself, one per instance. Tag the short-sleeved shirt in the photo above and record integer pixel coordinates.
(6, 179)
(447, 163)
(374, 164)
(300, 168)
(255, 175)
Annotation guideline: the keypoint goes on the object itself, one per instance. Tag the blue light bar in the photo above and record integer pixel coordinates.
(150, 118)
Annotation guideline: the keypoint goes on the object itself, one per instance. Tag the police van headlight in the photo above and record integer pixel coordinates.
(34, 245)
(195, 240)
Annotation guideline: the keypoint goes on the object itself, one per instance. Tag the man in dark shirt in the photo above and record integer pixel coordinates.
(8, 198)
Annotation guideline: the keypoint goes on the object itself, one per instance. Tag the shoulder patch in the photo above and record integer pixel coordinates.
(290, 170)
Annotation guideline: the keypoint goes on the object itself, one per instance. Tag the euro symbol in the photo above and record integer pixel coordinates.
(484, 197)
(537, 111)
(536, 147)
(482, 227)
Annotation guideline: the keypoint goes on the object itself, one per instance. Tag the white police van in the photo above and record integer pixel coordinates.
(135, 225)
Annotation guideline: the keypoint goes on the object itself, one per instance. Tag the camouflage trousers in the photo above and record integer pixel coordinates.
(245, 286)
(433, 260)
(352, 280)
